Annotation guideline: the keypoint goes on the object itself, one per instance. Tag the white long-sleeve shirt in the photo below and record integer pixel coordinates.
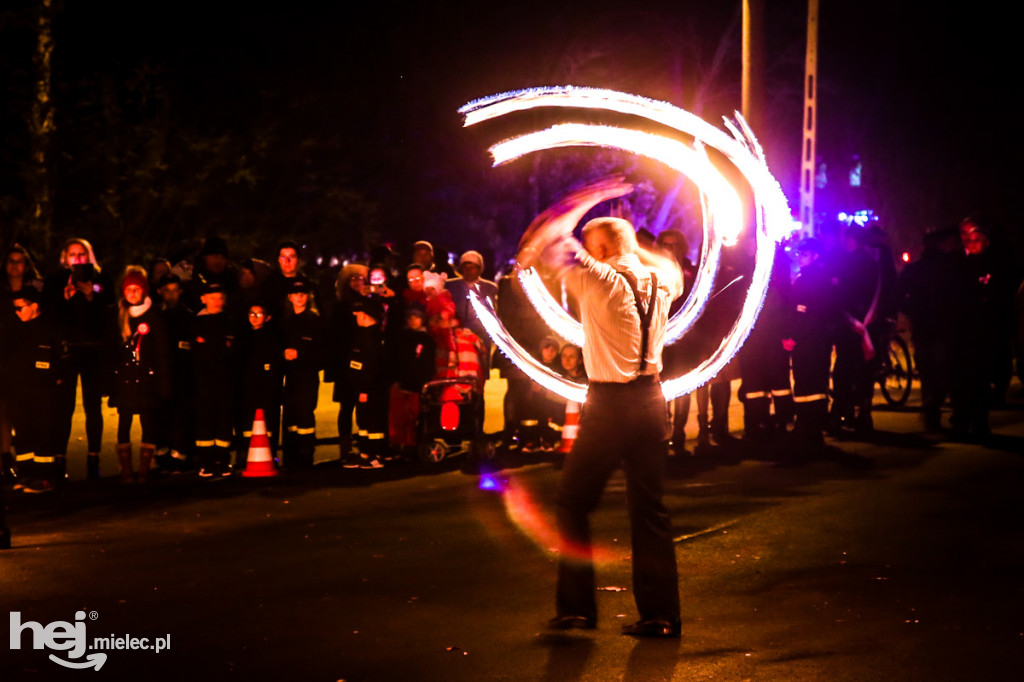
(611, 322)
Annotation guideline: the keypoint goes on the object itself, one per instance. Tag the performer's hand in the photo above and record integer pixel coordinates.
(789, 344)
(559, 220)
(290, 353)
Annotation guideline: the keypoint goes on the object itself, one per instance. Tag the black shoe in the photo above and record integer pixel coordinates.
(39, 486)
(572, 623)
(653, 628)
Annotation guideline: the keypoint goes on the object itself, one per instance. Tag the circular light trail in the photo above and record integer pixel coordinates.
(722, 224)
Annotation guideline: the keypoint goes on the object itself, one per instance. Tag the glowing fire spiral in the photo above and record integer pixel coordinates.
(722, 223)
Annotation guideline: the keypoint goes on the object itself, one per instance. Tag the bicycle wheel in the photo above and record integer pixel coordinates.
(898, 378)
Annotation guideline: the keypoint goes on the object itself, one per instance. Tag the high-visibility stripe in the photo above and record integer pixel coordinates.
(246, 434)
(293, 429)
(306, 432)
(554, 427)
(363, 432)
(781, 393)
(375, 436)
(205, 443)
(529, 422)
(27, 457)
(222, 443)
(809, 398)
(44, 460)
(756, 394)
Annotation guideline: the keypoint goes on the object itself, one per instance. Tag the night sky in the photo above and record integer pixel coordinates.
(923, 99)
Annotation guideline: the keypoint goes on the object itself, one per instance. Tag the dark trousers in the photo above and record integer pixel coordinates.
(214, 422)
(627, 425)
(933, 360)
(33, 440)
(301, 391)
(346, 408)
(85, 362)
(372, 419)
(852, 378)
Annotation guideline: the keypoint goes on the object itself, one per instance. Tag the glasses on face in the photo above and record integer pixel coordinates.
(256, 313)
(15, 261)
(17, 308)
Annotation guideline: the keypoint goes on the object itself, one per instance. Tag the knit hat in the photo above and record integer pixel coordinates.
(136, 277)
(472, 257)
(550, 341)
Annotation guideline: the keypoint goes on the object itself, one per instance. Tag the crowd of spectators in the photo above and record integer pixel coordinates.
(196, 348)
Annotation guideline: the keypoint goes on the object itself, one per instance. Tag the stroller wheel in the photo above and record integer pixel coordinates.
(433, 451)
(483, 449)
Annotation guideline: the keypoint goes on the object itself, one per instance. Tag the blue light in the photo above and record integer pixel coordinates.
(861, 218)
(488, 482)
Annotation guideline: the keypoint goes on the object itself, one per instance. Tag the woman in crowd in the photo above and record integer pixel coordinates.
(80, 295)
(141, 371)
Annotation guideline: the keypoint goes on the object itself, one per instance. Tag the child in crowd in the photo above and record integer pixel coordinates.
(541, 407)
(262, 358)
(142, 372)
(213, 358)
(411, 358)
(367, 375)
(177, 437)
(302, 337)
(35, 356)
(571, 359)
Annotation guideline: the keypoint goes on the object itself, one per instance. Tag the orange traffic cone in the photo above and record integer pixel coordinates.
(571, 428)
(260, 462)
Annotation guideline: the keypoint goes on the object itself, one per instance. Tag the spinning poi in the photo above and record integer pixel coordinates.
(722, 214)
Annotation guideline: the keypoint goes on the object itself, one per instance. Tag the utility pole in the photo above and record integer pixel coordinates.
(752, 105)
(808, 156)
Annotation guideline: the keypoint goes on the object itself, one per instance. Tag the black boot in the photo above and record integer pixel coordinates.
(8, 472)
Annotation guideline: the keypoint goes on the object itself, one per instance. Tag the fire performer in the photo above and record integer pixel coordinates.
(624, 293)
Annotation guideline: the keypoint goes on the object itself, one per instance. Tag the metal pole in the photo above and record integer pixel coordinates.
(807, 156)
(753, 63)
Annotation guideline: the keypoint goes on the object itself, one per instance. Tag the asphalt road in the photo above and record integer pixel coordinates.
(908, 568)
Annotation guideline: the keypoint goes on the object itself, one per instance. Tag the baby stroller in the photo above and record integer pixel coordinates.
(451, 420)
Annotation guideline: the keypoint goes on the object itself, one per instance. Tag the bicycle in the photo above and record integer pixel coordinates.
(896, 372)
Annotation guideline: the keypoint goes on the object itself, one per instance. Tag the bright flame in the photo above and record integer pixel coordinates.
(723, 219)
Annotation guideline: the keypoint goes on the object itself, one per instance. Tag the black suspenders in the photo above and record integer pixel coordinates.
(645, 315)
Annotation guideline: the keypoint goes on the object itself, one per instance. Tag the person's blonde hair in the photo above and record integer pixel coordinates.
(84, 243)
(621, 234)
